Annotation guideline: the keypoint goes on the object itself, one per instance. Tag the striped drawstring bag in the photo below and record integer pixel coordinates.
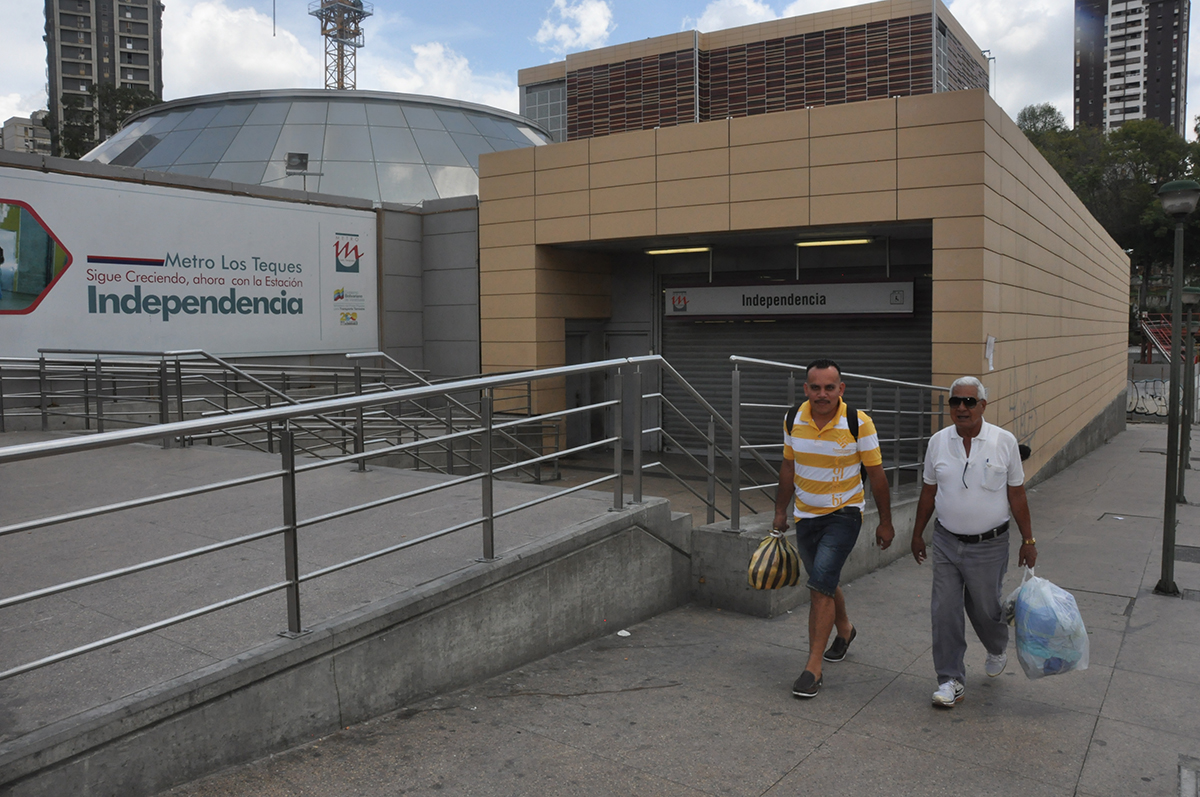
(774, 564)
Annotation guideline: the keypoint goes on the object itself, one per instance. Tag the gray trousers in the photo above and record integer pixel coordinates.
(966, 577)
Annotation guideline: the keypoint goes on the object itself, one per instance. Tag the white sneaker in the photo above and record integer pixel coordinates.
(949, 693)
(995, 664)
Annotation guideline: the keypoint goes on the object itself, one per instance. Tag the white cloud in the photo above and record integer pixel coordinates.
(440, 71)
(22, 61)
(801, 7)
(722, 14)
(582, 26)
(209, 47)
(1033, 45)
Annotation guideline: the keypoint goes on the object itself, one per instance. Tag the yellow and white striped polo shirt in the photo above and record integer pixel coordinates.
(827, 461)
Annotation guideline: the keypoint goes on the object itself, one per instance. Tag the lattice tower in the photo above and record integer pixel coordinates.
(341, 25)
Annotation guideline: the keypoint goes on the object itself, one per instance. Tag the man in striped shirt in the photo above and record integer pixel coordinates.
(821, 481)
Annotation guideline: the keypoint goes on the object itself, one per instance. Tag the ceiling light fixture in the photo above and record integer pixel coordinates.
(683, 251)
(837, 242)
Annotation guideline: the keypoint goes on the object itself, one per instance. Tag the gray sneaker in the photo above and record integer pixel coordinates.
(949, 693)
(995, 663)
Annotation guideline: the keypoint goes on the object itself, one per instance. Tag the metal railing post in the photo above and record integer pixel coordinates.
(618, 446)
(941, 410)
(896, 446)
(486, 483)
(1189, 402)
(360, 440)
(179, 390)
(449, 443)
(291, 546)
(270, 429)
(87, 400)
(42, 392)
(735, 450)
(791, 389)
(637, 434)
(99, 398)
(164, 409)
(920, 433)
(712, 470)
(1, 399)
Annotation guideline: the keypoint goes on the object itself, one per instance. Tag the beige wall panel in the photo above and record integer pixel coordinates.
(769, 157)
(623, 172)
(571, 203)
(853, 148)
(505, 186)
(938, 109)
(563, 282)
(769, 185)
(542, 74)
(500, 211)
(697, 218)
(965, 169)
(852, 117)
(578, 306)
(685, 165)
(513, 233)
(508, 161)
(769, 213)
(783, 126)
(957, 328)
(701, 191)
(624, 198)
(559, 181)
(559, 231)
(926, 203)
(958, 264)
(959, 233)
(508, 306)
(693, 137)
(854, 208)
(960, 359)
(958, 297)
(506, 258)
(561, 155)
(853, 178)
(500, 330)
(498, 283)
(624, 146)
(607, 226)
(511, 355)
(933, 140)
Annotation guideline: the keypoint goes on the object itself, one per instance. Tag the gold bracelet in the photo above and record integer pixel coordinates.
(1030, 541)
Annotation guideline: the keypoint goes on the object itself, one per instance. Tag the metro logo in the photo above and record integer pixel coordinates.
(345, 252)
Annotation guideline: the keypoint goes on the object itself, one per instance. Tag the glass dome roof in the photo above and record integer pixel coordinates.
(374, 145)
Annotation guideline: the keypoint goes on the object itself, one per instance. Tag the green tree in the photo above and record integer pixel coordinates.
(86, 124)
(114, 104)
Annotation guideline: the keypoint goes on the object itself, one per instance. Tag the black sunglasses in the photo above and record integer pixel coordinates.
(967, 401)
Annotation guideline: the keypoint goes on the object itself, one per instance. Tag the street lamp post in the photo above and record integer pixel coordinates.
(1179, 199)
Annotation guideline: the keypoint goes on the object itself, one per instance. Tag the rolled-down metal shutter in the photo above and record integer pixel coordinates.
(893, 347)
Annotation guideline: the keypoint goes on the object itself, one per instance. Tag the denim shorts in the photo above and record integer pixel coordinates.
(824, 543)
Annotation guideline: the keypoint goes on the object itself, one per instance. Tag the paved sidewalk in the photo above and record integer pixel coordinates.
(698, 702)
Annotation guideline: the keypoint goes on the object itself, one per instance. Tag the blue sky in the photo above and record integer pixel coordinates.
(471, 50)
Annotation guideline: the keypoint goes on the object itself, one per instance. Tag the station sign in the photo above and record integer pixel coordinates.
(848, 298)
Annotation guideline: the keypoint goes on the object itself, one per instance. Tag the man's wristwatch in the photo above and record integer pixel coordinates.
(1030, 541)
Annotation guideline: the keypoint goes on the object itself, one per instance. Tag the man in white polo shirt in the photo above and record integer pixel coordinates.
(973, 475)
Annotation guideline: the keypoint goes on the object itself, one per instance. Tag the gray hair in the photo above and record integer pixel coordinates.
(970, 381)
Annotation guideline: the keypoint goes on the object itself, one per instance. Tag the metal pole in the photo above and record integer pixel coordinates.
(179, 390)
(164, 409)
(1166, 584)
(87, 401)
(99, 399)
(360, 442)
(1, 399)
(712, 470)
(637, 435)
(1189, 406)
(735, 448)
(291, 546)
(941, 410)
(618, 446)
(270, 429)
(485, 484)
(449, 443)
(42, 392)
(896, 447)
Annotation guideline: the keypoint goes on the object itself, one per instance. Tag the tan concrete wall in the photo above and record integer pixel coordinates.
(1015, 253)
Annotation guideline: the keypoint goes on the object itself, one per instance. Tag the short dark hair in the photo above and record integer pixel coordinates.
(823, 362)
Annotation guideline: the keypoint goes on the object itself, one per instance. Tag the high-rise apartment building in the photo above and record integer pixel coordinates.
(26, 134)
(1131, 62)
(889, 49)
(102, 42)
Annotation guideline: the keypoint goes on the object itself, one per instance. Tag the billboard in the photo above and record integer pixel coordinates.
(90, 263)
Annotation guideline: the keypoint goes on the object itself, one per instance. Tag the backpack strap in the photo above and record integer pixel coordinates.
(852, 421)
(790, 421)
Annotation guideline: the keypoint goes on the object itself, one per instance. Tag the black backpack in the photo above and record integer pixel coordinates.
(851, 421)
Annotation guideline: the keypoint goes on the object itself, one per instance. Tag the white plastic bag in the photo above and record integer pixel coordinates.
(1051, 638)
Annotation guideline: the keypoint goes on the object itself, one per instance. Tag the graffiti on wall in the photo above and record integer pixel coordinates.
(1147, 397)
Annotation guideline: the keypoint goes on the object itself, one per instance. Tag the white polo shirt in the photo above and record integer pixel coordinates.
(972, 494)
